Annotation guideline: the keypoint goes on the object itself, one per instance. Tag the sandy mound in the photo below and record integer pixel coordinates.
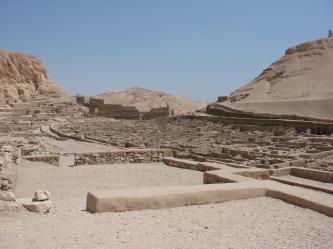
(300, 83)
(23, 75)
(144, 100)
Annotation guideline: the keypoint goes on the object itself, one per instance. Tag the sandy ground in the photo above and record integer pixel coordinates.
(72, 146)
(69, 185)
(253, 223)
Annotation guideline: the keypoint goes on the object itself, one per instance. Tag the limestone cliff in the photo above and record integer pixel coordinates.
(300, 83)
(23, 75)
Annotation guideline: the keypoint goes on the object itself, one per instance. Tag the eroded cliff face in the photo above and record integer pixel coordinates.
(304, 72)
(23, 75)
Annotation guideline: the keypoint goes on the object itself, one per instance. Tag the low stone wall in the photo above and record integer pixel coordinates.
(115, 111)
(50, 159)
(255, 174)
(156, 113)
(317, 155)
(287, 164)
(98, 107)
(280, 172)
(187, 164)
(315, 127)
(9, 157)
(313, 174)
(122, 156)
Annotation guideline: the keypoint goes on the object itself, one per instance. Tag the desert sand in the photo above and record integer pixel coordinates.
(251, 223)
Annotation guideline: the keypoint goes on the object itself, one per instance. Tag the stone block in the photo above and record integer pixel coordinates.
(35, 206)
(42, 195)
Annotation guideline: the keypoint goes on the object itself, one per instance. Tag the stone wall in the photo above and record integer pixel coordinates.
(317, 155)
(9, 158)
(116, 111)
(313, 174)
(156, 113)
(50, 159)
(122, 156)
(315, 127)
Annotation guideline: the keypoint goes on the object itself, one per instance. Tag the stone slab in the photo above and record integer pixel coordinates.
(168, 197)
(177, 196)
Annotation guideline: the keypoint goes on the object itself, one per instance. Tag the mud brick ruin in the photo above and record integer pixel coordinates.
(97, 106)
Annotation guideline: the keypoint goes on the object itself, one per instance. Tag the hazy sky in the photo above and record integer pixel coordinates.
(200, 49)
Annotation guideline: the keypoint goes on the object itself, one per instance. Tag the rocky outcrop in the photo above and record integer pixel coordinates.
(300, 83)
(23, 75)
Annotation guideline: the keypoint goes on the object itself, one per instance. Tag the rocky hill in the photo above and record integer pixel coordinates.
(145, 100)
(24, 75)
(300, 83)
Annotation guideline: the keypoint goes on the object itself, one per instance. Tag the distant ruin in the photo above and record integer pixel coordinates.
(98, 107)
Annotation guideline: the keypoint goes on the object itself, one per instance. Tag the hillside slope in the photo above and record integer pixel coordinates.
(144, 100)
(300, 83)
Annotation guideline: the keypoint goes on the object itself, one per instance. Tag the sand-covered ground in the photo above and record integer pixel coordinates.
(253, 223)
(72, 146)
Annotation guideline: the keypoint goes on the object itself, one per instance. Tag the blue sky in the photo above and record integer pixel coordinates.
(199, 49)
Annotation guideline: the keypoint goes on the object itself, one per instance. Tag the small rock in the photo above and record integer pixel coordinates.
(10, 206)
(42, 195)
(7, 196)
(35, 206)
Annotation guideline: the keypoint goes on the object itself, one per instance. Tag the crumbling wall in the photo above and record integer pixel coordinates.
(9, 158)
(118, 111)
(156, 113)
(122, 156)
